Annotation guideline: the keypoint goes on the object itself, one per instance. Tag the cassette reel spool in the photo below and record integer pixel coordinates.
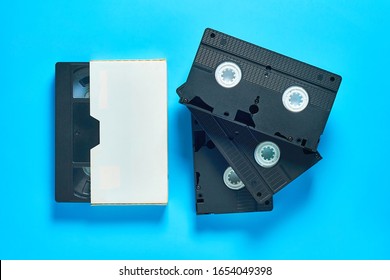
(231, 179)
(81, 83)
(82, 182)
(267, 154)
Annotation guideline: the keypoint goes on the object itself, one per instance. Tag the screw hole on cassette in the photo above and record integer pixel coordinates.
(299, 140)
(212, 35)
(332, 79)
(267, 154)
(253, 109)
(210, 144)
(259, 194)
(231, 180)
(266, 202)
(268, 67)
(228, 74)
(295, 99)
(226, 114)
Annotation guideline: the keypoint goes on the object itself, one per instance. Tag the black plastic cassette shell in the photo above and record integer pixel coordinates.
(212, 195)
(266, 75)
(237, 144)
(75, 130)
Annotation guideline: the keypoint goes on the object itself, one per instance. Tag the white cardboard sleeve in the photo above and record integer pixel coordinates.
(129, 99)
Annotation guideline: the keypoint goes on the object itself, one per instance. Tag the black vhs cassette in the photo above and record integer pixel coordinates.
(272, 93)
(263, 163)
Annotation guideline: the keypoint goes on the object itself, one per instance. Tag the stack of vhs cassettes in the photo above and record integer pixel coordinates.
(257, 117)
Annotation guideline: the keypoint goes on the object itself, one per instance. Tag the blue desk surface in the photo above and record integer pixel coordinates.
(340, 209)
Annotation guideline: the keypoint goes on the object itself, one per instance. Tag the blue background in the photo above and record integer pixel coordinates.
(340, 209)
